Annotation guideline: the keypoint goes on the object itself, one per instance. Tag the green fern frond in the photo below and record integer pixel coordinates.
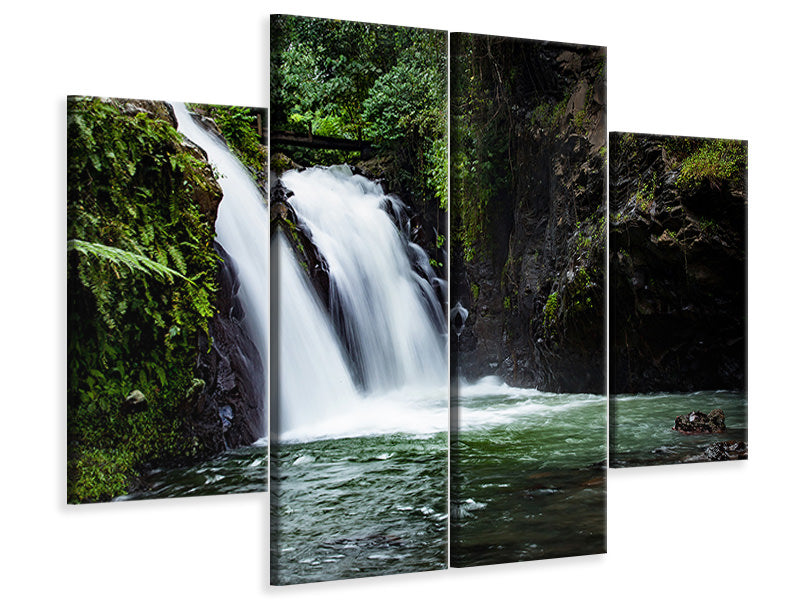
(134, 262)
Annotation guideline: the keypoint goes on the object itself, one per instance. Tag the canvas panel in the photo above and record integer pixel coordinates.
(166, 312)
(358, 372)
(678, 299)
(528, 148)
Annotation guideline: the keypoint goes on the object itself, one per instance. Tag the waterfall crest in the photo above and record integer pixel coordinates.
(385, 366)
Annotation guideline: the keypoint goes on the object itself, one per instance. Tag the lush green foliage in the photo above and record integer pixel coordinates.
(239, 127)
(131, 260)
(141, 272)
(551, 311)
(360, 81)
(645, 193)
(547, 115)
(714, 162)
(480, 131)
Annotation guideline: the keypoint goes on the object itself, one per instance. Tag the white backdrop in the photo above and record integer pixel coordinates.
(727, 70)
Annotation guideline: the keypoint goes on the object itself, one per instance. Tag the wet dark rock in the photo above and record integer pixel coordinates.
(208, 195)
(279, 164)
(152, 108)
(226, 416)
(730, 450)
(535, 294)
(232, 371)
(698, 422)
(283, 218)
(677, 275)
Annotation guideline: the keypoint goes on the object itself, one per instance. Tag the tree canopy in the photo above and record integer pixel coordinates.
(363, 81)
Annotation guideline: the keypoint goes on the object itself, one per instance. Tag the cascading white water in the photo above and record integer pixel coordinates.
(312, 368)
(242, 227)
(388, 335)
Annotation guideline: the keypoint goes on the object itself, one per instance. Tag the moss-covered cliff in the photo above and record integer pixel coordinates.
(677, 263)
(528, 196)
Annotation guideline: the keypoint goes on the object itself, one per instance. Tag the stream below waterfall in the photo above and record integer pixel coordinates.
(642, 433)
(358, 506)
(237, 471)
(528, 474)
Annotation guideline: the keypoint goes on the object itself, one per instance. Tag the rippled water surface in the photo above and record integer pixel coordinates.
(529, 477)
(236, 471)
(358, 506)
(641, 432)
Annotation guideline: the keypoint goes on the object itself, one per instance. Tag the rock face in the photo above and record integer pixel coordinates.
(533, 280)
(697, 422)
(153, 108)
(209, 195)
(677, 279)
(229, 411)
(283, 218)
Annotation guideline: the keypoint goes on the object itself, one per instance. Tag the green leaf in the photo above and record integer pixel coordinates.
(131, 260)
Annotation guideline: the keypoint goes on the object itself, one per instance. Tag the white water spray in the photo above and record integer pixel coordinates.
(384, 366)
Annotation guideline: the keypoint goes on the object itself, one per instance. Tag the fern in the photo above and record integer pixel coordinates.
(134, 262)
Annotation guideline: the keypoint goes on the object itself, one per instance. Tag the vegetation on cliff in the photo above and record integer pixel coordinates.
(141, 274)
(243, 130)
(527, 172)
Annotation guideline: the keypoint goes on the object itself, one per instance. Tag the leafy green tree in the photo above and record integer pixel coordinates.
(361, 81)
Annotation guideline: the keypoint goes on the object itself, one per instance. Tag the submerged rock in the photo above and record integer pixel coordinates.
(698, 422)
(730, 450)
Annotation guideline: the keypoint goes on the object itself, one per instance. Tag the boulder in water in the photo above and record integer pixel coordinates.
(698, 422)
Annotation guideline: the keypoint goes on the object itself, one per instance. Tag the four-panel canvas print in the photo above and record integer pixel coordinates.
(416, 346)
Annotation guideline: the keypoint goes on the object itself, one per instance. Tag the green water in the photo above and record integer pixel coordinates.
(236, 471)
(528, 475)
(358, 506)
(641, 432)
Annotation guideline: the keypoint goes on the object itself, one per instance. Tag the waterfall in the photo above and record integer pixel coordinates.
(375, 360)
(312, 369)
(242, 227)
